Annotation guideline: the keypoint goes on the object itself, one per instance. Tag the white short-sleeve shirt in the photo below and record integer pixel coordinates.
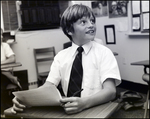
(6, 51)
(98, 64)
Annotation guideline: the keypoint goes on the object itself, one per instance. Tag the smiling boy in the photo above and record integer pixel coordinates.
(98, 71)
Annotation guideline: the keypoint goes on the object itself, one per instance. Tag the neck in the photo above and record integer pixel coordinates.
(80, 43)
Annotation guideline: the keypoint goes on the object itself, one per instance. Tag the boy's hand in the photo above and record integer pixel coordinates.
(16, 81)
(17, 106)
(73, 104)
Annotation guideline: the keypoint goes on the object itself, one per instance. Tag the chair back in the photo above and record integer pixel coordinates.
(43, 60)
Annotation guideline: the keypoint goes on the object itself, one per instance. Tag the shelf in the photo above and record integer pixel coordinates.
(137, 34)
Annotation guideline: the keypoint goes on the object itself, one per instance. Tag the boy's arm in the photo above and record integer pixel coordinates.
(47, 83)
(107, 94)
(11, 59)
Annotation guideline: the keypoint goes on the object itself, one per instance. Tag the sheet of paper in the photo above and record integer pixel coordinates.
(136, 7)
(136, 23)
(145, 6)
(42, 96)
(121, 25)
(146, 21)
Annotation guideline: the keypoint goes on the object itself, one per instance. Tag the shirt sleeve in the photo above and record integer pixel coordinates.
(8, 51)
(109, 67)
(54, 74)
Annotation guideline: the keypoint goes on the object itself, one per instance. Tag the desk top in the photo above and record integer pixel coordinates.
(10, 65)
(144, 63)
(100, 111)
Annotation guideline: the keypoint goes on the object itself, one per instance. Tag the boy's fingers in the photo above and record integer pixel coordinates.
(71, 110)
(13, 111)
(17, 109)
(68, 105)
(70, 99)
(16, 102)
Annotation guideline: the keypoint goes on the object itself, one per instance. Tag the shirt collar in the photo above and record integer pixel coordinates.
(86, 47)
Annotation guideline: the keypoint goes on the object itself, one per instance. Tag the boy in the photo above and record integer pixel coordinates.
(96, 68)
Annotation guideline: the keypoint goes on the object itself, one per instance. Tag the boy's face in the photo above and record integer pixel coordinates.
(84, 30)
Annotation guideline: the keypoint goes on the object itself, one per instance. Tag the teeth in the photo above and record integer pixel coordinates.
(90, 31)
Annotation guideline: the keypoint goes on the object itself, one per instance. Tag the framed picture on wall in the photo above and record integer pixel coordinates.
(99, 8)
(136, 26)
(110, 34)
(145, 22)
(117, 8)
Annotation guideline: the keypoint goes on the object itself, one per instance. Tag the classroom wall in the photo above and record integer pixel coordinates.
(28, 40)
(130, 49)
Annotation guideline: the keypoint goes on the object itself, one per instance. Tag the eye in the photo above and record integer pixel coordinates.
(83, 22)
(92, 21)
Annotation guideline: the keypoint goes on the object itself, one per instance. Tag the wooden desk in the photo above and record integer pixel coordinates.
(144, 63)
(101, 111)
(11, 65)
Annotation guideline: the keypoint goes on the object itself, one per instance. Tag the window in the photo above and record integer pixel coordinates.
(37, 15)
(10, 20)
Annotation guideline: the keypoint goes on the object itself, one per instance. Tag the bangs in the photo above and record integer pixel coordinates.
(79, 11)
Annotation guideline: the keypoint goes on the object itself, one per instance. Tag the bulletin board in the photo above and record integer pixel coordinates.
(140, 16)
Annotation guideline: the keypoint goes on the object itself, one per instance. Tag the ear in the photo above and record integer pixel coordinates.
(70, 33)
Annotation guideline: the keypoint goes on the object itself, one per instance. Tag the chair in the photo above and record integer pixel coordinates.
(67, 44)
(12, 87)
(145, 78)
(43, 60)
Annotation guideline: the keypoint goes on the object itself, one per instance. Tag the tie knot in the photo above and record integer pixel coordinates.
(80, 49)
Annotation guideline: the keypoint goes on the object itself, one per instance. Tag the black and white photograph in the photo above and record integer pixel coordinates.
(99, 8)
(117, 8)
(74, 59)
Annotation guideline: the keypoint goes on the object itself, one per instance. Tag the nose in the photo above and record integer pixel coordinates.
(90, 24)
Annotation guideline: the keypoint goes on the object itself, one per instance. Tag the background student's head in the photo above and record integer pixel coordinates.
(78, 18)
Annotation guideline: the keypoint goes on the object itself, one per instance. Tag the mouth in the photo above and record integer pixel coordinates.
(90, 32)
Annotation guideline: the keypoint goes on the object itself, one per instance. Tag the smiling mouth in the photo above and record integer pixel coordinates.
(90, 32)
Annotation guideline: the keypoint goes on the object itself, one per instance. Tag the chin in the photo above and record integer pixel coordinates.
(90, 38)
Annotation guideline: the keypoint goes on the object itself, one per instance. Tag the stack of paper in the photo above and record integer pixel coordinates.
(42, 96)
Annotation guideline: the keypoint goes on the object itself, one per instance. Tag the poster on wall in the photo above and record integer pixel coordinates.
(135, 7)
(145, 21)
(117, 8)
(145, 6)
(99, 8)
(110, 34)
(136, 23)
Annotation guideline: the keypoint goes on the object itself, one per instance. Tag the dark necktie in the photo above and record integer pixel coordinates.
(76, 74)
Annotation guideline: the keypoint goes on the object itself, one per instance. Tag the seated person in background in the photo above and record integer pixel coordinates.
(7, 56)
(87, 67)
